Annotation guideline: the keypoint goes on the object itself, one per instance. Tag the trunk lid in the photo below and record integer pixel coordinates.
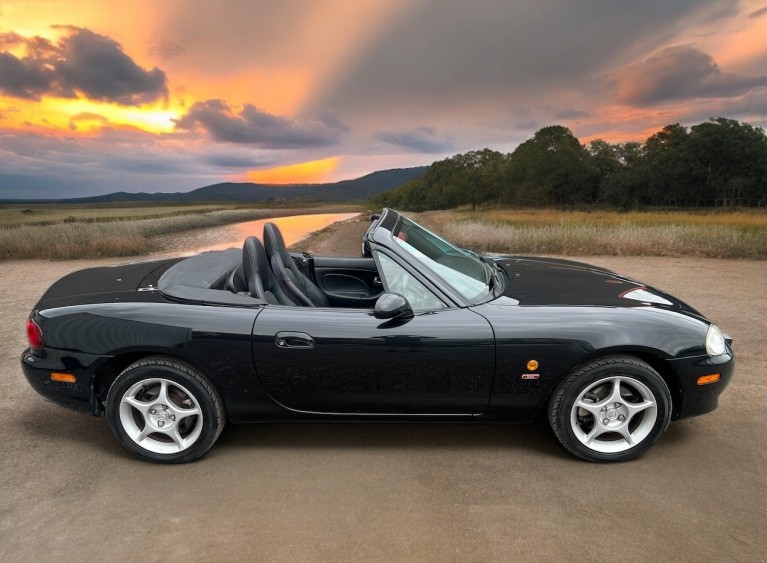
(105, 284)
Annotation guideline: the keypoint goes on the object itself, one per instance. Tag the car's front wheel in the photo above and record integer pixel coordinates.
(612, 409)
(164, 411)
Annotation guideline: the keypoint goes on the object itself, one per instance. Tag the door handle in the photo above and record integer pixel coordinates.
(293, 340)
(377, 281)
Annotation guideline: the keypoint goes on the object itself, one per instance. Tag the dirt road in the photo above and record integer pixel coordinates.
(291, 492)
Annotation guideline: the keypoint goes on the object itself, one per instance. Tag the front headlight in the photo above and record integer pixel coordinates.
(715, 345)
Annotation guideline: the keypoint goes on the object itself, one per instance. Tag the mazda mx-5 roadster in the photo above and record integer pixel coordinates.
(415, 329)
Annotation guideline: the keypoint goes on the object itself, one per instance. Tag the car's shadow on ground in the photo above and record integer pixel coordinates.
(71, 429)
(535, 437)
(76, 430)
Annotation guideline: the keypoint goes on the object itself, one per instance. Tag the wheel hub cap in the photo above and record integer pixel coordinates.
(614, 414)
(161, 417)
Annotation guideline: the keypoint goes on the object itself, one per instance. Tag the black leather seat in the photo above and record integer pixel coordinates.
(259, 280)
(293, 281)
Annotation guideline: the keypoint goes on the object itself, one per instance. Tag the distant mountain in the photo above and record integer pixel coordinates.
(359, 189)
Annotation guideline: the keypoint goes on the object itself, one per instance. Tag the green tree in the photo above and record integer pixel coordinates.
(479, 175)
(731, 160)
(666, 167)
(470, 178)
(626, 184)
(605, 164)
(552, 168)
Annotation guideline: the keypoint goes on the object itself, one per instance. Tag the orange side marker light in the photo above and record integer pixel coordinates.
(706, 379)
(63, 377)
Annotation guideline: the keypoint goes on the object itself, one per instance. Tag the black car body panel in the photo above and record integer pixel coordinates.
(105, 284)
(564, 337)
(550, 282)
(466, 359)
(357, 363)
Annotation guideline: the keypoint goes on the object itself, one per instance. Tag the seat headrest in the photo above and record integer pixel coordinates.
(255, 266)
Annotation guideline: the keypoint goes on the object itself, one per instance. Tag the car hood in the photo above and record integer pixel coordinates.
(549, 281)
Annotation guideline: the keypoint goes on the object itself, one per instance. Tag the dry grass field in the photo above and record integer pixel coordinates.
(57, 232)
(707, 234)
(14, 214)
(63, 233)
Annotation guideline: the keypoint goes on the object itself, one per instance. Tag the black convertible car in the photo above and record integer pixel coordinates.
(415, 329)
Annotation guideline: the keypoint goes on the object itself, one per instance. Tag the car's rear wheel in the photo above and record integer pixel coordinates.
(612, 409)
(164, 411)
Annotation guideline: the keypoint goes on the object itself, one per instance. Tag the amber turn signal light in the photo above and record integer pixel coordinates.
(706, 379)
(63, 377)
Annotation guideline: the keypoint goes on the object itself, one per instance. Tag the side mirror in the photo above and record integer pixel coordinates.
(392, 306)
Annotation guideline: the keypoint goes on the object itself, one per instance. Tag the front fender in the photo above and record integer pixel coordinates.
(555, 340)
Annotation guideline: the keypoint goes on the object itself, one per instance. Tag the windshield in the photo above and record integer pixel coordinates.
(464, 272)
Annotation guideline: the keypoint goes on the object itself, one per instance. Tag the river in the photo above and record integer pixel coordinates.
(293, 229)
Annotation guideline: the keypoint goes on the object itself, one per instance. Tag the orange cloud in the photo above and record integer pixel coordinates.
(622, 136)
(311, 172)
(277, 92)
(743, 49)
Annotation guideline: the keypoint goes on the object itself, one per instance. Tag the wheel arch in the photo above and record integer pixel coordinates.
(114, 366)
(669, 375)
(654, 358)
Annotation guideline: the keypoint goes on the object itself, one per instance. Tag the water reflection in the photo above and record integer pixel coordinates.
(293, 229)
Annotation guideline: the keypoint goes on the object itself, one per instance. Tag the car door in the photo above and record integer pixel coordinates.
(337, 360)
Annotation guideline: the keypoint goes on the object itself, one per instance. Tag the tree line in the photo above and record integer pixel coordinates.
(717, 163)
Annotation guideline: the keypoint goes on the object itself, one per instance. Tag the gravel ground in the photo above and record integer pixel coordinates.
(291, 492)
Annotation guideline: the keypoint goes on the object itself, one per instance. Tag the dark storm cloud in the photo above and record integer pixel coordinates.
(31, 76)
(443, 54)
(97, 66)
(21, 79)
(421, 139)
(81, 63)
(678, 73)
(255, 127)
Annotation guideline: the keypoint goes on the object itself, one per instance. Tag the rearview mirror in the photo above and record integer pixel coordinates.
(392, 306)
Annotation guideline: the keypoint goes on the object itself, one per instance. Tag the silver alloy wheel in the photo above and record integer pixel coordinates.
(161, 416)
(613, 414)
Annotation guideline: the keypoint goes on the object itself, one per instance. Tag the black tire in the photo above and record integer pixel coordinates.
(164, 411)
(623, 407)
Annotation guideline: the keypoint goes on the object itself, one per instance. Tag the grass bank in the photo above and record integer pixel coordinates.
(712, 234)
(128, 235)
(14, 214)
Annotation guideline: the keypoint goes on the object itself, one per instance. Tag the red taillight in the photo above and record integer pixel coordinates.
(34, 335)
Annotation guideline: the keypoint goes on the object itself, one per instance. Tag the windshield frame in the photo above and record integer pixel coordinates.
(384, 234)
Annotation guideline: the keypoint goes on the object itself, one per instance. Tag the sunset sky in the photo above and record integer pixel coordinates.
(97, 97)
